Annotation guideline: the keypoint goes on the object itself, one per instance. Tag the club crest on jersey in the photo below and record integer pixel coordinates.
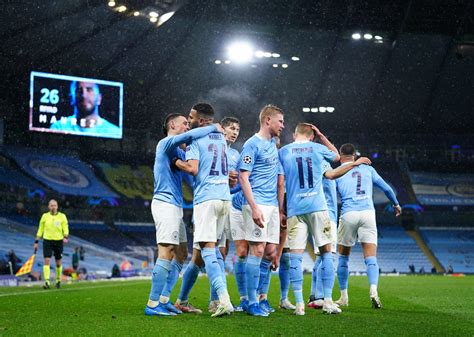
(257, 233)
(247, 159)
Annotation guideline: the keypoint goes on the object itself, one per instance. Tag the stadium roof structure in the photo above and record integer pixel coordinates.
(411, 69)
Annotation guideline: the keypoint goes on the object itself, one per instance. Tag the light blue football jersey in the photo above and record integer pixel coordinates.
(212, 180)
(330, 192)
(168, 184)
(237, 194)
(233, 157)
(356, 188)
(260, 157)
(302, 165)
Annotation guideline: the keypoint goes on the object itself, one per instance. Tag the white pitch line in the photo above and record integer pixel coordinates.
(52, 291)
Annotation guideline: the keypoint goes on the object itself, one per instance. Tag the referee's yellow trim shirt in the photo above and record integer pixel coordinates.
(53, 227)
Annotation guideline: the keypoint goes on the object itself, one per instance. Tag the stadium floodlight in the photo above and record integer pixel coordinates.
(356, 36)
(275, 55)
(165, 17)
(330, 109)
(217, 61)
(377, 37)
(111, 3)
(240, 52)
(121, 9)
(136, 13)
(295, 58)
(284, 65)
(306, 109)
(259, 53)
(153, 19)
(379, 41)
(322, 109)
(275, 65)
(314, 109)
(227, 61)
(267, 54)
(368, 36)
(153, 14)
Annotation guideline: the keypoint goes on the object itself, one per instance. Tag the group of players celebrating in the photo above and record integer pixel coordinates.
(269, 201)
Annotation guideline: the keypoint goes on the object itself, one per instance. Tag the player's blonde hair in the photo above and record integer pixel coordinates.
(304, 129)
(269, 110)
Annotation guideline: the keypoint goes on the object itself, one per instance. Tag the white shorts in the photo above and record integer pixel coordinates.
(334, 242)
(169, 222)
(270, 232)
(317, 224)
(226, 233)
(357, 225)
(237, 228)
(209, 220)
(287, 242)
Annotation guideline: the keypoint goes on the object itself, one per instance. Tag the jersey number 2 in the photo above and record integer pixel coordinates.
(215, 154)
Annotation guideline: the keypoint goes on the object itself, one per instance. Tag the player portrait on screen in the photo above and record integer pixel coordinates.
(86, 99)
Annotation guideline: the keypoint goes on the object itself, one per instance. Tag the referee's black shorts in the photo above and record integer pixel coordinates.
(53, 246)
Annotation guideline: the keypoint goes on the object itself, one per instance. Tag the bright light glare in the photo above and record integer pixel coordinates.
(284, 65)
(240, 52)
(267, 54)
(227, 61)
(295, 58)
(378, 37)
(153, 14)
(217, 61)
(111, 3)
(275, 65)
(322, 109)
(136, 13)
(122, 9)
(330, 109)
(153, 19)
(165, 17)
(275, 55)
(306, 109)
(368, 36)
(356, 36)
(314, 109)
(259, 53)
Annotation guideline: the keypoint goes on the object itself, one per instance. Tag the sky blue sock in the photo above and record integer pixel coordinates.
(214, 272)
(343, 271)
(372, 270)
(189, 278)
(314, 276)
(239, 271)
(172, 278)
(265, 276)
(284, 273)
(327, 274)
(319, 280)
(252, 273)
(296, 276)
(220, 260)
(158, 278)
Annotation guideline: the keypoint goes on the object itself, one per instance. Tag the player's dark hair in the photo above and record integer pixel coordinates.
(226, 121)
(347, 150)
(204, 110)
(168, 119)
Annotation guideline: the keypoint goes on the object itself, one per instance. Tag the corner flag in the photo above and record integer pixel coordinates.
(27, 266)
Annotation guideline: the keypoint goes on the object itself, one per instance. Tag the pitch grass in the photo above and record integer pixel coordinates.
(413, 305)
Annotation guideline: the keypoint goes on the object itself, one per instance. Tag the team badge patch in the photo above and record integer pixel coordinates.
(247, 159)
(257, 233)
(175, 235)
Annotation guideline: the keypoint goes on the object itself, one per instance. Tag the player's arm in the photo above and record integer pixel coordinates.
(343, 169)
(190, 166)
(244, 181)
(191, 135)
(379, 182)
(323, 140)
(281, 200)
(40, 232)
